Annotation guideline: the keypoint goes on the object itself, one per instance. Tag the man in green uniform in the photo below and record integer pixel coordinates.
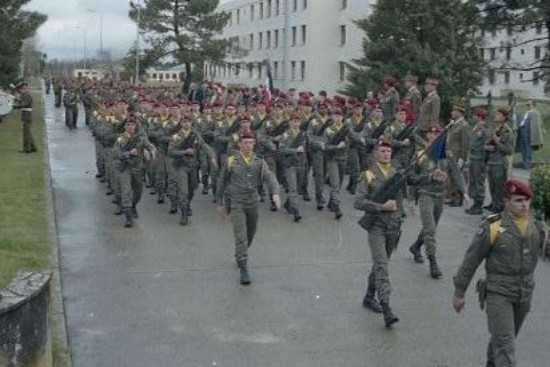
(413, 95)
(458, 141)
(58, 91)
(293, 159)
(429, 179)
(23, 102)
(499, 147)
(357, 146)
(383, 224)
(509, 243)
(129, 151)
(476, 160)
(431, 105)
(238, 183)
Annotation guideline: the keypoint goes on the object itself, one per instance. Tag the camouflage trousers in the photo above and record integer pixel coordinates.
(28, 139)
(185, 179)
(497, 176)
(431, 208)
(245, 221)
(131, 186)
(476, 189)
(382, 243)
(336, 169)
(100, 158)
(505, 317)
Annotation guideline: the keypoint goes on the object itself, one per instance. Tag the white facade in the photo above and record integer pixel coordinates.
(523, 83)
(171, 75)
(94, 74)
(305, 41)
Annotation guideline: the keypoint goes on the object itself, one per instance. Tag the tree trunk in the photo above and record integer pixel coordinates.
(188, 76)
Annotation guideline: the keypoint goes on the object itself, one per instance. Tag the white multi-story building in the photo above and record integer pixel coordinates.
(306, 42)
(524, 53)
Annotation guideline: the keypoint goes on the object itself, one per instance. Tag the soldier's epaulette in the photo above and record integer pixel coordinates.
(120, 139)
(368, 176)
(230, 161)
(493, 217)
(175, 137)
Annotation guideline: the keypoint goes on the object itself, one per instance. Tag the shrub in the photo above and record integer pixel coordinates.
(540, 183)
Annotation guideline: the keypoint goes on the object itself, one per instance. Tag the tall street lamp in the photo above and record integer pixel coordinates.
(84, 33)
(100, 13)
(136, 5)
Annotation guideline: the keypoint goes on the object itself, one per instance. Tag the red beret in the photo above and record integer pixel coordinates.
(337, 111)
(383, 142)
(517, 187)
(230, 105)
(246, 134)
(244, 118)
(131, 120)
(358, 105)
(294, 115)
(372, 102)
(504, 110)
(186, 117)
(480, 112)
(389, 80)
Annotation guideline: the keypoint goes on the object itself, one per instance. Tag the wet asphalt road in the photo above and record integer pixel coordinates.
(162, 295)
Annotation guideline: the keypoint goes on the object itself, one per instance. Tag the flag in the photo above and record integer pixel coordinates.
(436, 150)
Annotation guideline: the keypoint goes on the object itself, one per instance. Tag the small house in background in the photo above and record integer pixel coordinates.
(93, 74)
(165, 74)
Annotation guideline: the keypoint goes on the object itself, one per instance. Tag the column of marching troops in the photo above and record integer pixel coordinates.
(243, 144)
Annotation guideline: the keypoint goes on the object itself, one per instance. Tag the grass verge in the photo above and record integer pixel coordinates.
(24, 239)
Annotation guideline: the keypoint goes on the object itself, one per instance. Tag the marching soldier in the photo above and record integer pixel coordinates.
(238, 182)
(129, 151)
(509, 243)
(390, 99)
(383, 224)
(499, 147)
(58, 91)
(316, 132)
(429, 180)
(458, 141)
(24, 102)
(477, 161)
(431, 105)
(335, 146)
(70, 102)
(413, 95)
(183, 150)
(357, 146)
(293, 158)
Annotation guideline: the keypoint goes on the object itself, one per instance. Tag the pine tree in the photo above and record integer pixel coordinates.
(423, 37)
(187, 30)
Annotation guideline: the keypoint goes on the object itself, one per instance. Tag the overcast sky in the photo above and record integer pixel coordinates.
(60, 38)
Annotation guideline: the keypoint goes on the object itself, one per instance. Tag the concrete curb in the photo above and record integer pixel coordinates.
(57, 312)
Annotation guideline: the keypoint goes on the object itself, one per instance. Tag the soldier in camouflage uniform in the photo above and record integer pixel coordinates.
(431, 105)
(293, 158)
(499, 147)
(183, 150)
(24, 103)
(509, 243)
(58, 91)
(238, 182)
(458, 141)
(476, 164)
(383, 224)
(429, 181)
(70, 102)
(316, 132)
(129, 151)
(357, 146)
(390, 99)
(413, 95)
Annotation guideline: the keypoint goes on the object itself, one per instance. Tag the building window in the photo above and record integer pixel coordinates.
(521, 76)
(509, 30)
(251, 41)
(251, 13)
(342, 71)
(238, 16)
(539, 28)
(537, 52)
(506, 77)
(261, 10)
(250, 70)
(292, 70)
(482, 53)
(276, 40)
(342, 35)
(294, 5)
(302, 70)
(491, 77)
(268, 39)
(492, 53)
(293, 36)
(260, 71)
(494, 33)
(535, 78)
(260, 40)
(522, 51)
(304, 5)
(275, 70)
(154, 75)
(304, 35)
(344, 4)
(508, 52)
(277, 7)
(268, 10)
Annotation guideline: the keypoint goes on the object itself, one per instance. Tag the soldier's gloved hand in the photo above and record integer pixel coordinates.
(458, 303)
(276, 200)
(300, 149)
(133, 152)
(460, 163)
(389, 206)
(341, 144)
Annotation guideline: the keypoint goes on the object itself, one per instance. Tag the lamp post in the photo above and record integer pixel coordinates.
(134, 4)
(100, 13)
(84, 33)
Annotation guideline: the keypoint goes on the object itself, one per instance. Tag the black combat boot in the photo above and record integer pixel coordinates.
(129, 217)
(415, 251)
(306, 196)
(297, 216)
(287, 207)
(370, 302)
(99, 175)
(272, 207)
(489, 207)
(337, 213)
(189, 211)
(160, 198)
(184, 216)
(389, 316)
(476, 209)
(103, 180)
(118, 210)
(109, 191)
(320, 202)
(153, 191)
(205, 189)
(434, 269)
(134, 211)
(245, 278)
(173, 207)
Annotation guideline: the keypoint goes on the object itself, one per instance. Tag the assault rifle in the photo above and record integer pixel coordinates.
(258, 124)
(407, 131)
(304, 126)
(377, 132)
(279, 129)
(189, 142)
